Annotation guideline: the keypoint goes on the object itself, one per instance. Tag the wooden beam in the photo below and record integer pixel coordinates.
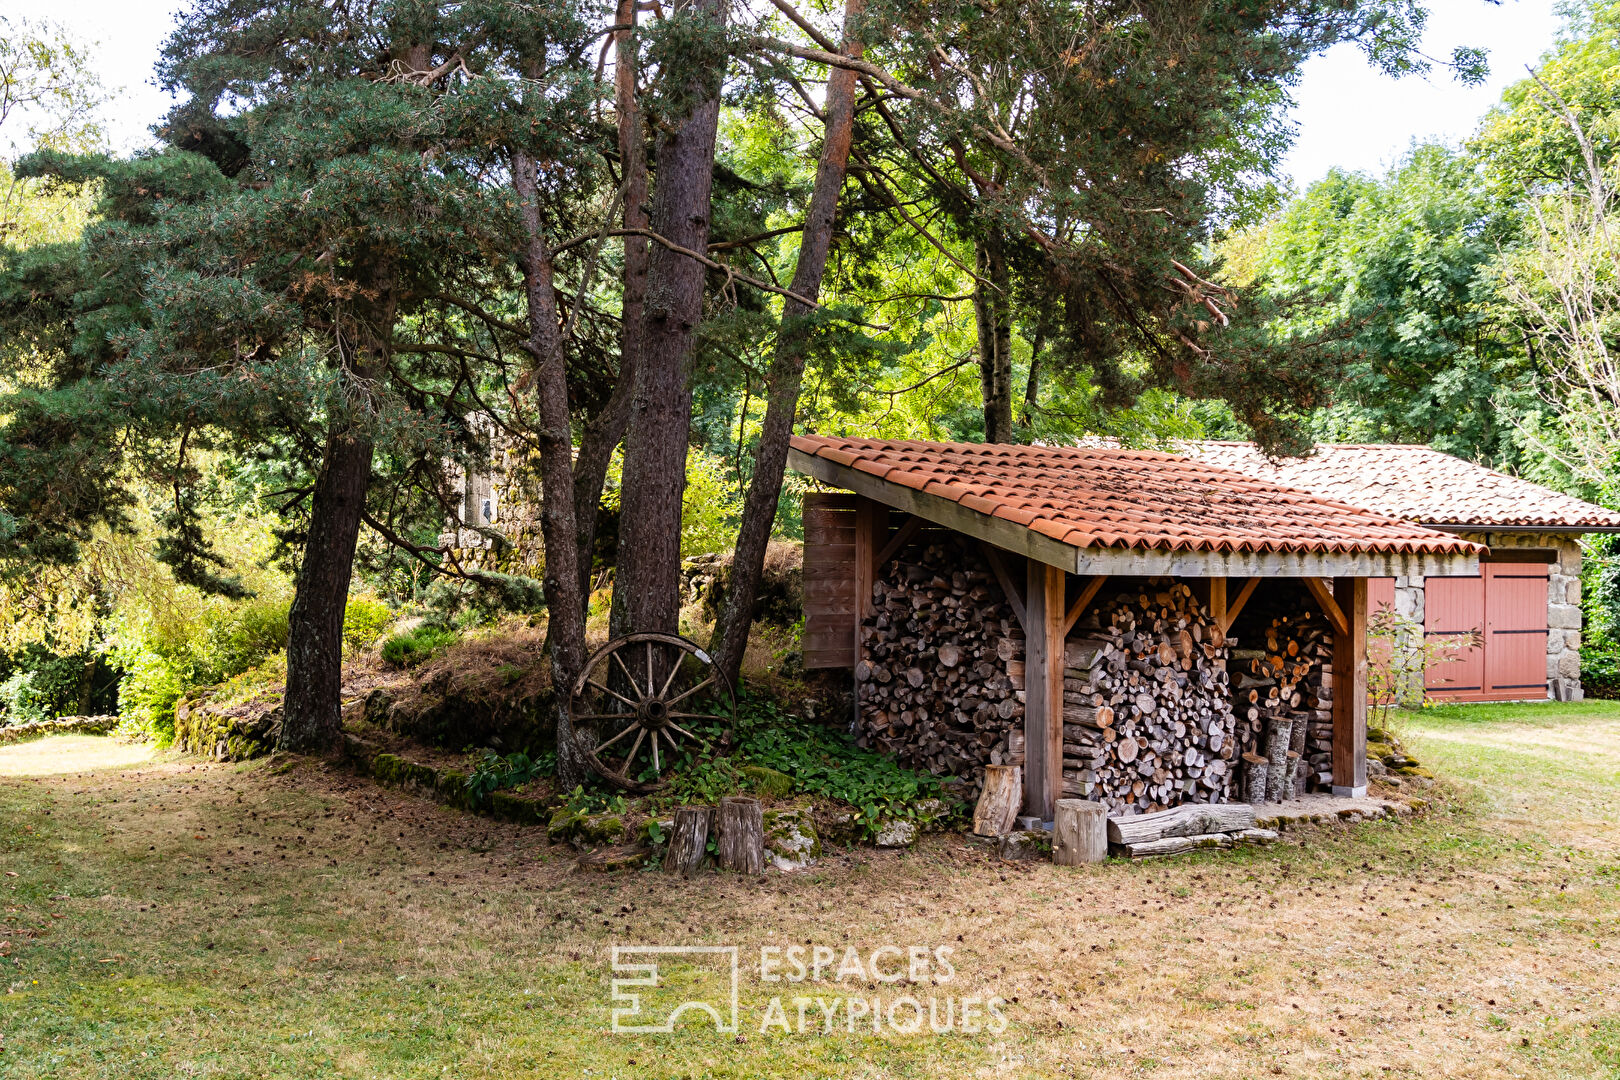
(1087, 594)
(1043, 690)
(1324, 600)
(1235, 608)
(1014, 597)
(902, 536)
(871, 521)
(1216, 602)
(1350, 689)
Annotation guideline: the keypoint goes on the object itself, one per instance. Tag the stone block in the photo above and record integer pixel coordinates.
(1569, 665)
(1564, 617)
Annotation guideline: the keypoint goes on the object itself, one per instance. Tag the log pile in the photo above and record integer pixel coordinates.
(933, 687)
(1147, 719)
(1282, 696)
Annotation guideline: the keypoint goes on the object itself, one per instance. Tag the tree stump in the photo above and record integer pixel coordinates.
(742, 835)
(1282, 730)
(1079, 832)
(1255, 768)
(1003, 793)
(689, 840)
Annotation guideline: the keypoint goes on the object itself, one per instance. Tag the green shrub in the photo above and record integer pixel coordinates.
(494, 772)
(1600, 669)
(43, 686)
(243, 640)
(412, 647)
(365, 619)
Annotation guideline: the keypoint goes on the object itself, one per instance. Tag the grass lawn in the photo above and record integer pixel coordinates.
(165, 917)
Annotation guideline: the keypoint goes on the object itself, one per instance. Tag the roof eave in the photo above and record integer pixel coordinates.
(1011, 536)
(1482, 526)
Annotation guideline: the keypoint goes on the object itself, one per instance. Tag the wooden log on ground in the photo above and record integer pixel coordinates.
(1175, 845)
(688, 841)
(1079, 832)
(997, 810)
(742, 835)
(1189, 819)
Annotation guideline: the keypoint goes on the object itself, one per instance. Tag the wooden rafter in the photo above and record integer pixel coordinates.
(1235, 607)
(1330, 607)
(1078, 608)
(902, 536)
(1014, 597)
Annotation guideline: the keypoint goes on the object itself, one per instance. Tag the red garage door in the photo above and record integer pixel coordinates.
(1507, 602)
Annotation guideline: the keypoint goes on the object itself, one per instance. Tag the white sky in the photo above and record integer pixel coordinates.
(1348, 115)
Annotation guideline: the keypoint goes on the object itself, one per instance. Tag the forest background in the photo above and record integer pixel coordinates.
(649, 243)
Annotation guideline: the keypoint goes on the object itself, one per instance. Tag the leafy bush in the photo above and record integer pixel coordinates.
(43, 686)
(820, 760)
(412, 647)
(482, 599)
(1600, 669)
(494, 772)
(365, 619)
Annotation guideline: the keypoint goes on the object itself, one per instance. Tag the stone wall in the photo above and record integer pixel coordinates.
(498, 528)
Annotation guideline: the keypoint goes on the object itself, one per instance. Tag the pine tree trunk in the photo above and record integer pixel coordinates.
(564, 604)
(605, 431)
(312, 709)
(646, 591)
(787, 368)
(992, 313)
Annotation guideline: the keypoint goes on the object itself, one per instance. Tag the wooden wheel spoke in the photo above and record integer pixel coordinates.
(657, 768)
(617, 659)
(649, 668)
(686, 694)
(683, 731)
(612, 693)
(601, 716)
(615, 738)
(675, 669)
(641, 733)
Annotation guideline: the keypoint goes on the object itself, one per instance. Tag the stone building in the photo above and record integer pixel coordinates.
(1526, 598)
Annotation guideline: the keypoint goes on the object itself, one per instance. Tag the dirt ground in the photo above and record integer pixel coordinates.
(166, 917)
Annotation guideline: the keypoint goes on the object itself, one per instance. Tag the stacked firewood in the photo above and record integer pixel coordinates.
(933, 688)
(1281, 694)
(1147, 720)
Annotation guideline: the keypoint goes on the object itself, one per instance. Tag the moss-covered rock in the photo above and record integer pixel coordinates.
(791, 841)
(234, 733)
(897, 832)
(768, 783)
(509, 807)
(395, 771)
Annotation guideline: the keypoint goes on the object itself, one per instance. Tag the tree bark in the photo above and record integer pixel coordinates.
(992, 312)
(565, 606)
(605, 431)
(312, 709)
(646, 591)
(786, 376)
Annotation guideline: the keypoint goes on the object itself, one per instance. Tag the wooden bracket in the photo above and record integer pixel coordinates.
(1014, 597)
(1225, 613)
(1087, 595)
(1330, 607)
(902, 536)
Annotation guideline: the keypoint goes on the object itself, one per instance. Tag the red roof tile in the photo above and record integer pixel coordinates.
(1099, 496)
(1413, 482)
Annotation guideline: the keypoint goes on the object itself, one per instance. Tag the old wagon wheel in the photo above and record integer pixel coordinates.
(638, 695)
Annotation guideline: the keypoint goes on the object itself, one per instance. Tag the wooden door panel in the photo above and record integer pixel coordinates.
(1452, 606)
(1515, 629)
(829, 580)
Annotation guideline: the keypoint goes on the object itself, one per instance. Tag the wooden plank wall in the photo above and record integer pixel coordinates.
(830, 615)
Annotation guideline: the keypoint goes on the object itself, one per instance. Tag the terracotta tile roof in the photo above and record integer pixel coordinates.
(1413, 482)
(1093, 496)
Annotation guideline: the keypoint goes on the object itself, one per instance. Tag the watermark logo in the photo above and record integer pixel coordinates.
(892, 989)
(708, 978)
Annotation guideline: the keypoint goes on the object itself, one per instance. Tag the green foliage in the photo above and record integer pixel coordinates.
(493, 772)
(365, 618)
(43, 686)
(709, 506)
(815, 759)
(481, 598)
(1600, 669)
(592, 800)
(411, 647)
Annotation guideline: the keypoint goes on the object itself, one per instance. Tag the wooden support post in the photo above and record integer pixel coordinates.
(1088, 593)
(1350, 689)
(871, 527)
(1217, 602)
(1043, 689)
(1079, 832)
(1330, 607)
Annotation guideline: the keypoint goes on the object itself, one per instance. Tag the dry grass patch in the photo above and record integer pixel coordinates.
(225, 920)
